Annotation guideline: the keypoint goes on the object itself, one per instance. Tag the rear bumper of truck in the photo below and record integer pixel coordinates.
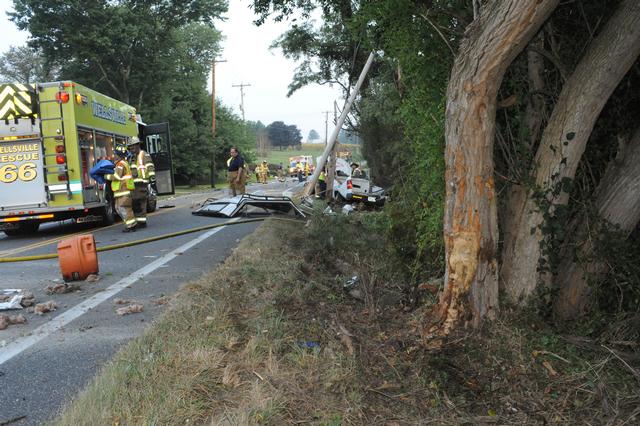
(10, 219)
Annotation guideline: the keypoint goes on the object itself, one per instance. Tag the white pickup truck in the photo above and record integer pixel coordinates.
(357, 189)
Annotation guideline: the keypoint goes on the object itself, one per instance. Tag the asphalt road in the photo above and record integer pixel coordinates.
(44, 362)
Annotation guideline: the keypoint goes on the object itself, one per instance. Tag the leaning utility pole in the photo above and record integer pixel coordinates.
(326, 126)
(331, 167)
(330, 143)
(213, 120)
(241, 86)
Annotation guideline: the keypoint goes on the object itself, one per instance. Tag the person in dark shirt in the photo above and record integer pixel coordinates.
(235, 169)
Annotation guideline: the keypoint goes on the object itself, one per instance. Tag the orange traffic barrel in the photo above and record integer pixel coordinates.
(78, 257)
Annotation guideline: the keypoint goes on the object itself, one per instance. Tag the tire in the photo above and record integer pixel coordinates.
(109, 212)
(152, 203)
(338, 196)
(23, 229)
(152, 200)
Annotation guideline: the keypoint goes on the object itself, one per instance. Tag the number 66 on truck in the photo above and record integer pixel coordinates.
(51, 135)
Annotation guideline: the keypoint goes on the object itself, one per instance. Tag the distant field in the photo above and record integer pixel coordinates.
(316, 150)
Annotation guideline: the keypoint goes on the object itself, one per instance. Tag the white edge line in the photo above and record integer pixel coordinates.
(21, 344)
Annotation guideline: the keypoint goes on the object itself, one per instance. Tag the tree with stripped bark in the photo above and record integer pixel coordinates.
(494, 39)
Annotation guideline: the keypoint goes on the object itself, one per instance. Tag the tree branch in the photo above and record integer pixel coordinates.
(426, 18)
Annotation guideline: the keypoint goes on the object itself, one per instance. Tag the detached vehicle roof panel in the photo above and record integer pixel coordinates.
(234, 206)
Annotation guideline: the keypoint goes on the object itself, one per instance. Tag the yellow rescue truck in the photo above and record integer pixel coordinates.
(51, 135)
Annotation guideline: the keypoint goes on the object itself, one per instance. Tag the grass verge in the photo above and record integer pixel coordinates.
(273, 337)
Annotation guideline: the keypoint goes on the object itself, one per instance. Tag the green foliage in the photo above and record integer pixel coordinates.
(313, 135)
(282, 135)
(399, 114)
(620, 290)
(125, 48)
(154, 55)
(407, 110)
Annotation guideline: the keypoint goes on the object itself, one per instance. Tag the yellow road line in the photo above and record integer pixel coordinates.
(45, 243)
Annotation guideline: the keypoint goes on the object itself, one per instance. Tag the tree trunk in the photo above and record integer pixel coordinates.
(470, 225)
(618, 202)
(535, 103)
(534, 116)
(586, 92)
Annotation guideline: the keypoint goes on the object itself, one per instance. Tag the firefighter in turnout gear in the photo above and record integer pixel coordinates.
(263, 172)
(143, 172)
(122, 186)
(235, 172)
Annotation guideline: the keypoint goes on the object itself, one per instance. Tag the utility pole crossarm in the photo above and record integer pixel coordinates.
(241, 86)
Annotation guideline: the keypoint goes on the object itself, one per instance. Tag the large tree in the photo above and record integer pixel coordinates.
(605, 62)
(25, 65)
(471, 224)
(283, 135)
(313, 135)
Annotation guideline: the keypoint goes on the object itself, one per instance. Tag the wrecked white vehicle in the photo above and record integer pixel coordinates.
(358, 189)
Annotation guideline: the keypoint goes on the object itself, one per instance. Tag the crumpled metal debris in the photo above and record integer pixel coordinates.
(351, 283)
(347, 209)
(11, 298)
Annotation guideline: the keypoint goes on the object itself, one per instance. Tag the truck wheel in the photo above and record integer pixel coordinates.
(338, 196)
(23, 228)
(109, 212)
(152, 203)
(152, 199)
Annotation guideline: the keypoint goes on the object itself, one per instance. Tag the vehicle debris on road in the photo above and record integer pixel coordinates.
(235, 206)
(131, 309)
(15, 298)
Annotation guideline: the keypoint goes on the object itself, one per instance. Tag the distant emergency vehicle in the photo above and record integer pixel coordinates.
(51, 135)
(302, 159)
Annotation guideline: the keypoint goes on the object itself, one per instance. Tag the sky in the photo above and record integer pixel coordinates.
(249, 61)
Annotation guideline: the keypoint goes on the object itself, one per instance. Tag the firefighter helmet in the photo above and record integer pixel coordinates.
(121, 151)
(134, 140)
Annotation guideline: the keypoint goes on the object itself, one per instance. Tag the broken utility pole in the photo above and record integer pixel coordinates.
(331, 142)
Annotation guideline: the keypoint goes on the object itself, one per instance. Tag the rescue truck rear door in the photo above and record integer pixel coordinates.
(157, 138)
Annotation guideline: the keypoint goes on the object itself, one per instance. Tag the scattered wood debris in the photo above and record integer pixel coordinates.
(131, 309)
(118, 301)
(28, 299)
(6, 320)
(91, 278)
(17, 319)
(42, 308)
(161, 300)
(61, 288)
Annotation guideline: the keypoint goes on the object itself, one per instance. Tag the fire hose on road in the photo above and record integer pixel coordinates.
(142, 241)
